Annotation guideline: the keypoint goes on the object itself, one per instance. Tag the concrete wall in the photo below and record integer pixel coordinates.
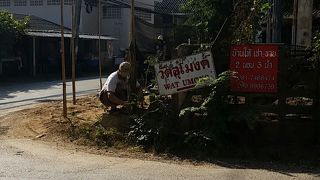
(304, 22)
(89, 21)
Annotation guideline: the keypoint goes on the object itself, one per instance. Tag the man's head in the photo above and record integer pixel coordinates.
(124, 69)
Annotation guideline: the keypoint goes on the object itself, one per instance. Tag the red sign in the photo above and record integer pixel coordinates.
(257, 67)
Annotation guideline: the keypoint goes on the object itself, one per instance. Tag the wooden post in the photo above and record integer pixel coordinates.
(268, 29)
(282, 73)
(132, 27)
(99, 31)
(63, 62)
(132, 49)
(316, 104)
(73, 57)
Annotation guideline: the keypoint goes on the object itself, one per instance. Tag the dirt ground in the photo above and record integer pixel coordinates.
(44, 122)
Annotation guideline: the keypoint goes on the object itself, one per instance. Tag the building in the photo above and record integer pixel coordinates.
(45, 24)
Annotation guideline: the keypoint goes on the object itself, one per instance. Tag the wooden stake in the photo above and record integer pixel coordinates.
(73, 58)
(63, 68)
(133, 77)
(99, 29)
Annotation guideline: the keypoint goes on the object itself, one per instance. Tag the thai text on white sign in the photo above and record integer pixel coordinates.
(182, 74)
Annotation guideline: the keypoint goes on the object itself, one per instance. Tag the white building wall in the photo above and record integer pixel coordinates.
(89, 21)
(120, 28)
(52, 13)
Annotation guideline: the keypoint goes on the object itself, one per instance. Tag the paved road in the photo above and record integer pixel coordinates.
(18, 95)
(27, 159)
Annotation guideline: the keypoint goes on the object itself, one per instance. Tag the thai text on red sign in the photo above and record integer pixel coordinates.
(257, 68)
(182, 74)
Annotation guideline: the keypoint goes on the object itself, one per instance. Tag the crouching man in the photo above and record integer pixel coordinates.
(115, 90)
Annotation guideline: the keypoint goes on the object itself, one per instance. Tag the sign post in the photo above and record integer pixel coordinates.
(182, 74)
(257, 68)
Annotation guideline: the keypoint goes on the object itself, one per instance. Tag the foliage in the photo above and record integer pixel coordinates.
(314, 50)
(248, 19)
(151, 128)
(217, 116)
(11, 32)
(149, 71)
(209, 15)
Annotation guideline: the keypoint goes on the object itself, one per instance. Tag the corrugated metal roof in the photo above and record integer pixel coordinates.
(67, 35)
(39, 27)
(39, 24)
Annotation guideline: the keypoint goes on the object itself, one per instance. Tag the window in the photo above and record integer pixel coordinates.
(68, 2)
(36, 2)
(144, 15)
(20, 2)
(53, 2)
(111, 13)
(4, 3)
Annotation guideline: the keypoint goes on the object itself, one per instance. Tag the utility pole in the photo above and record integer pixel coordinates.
(73, 56)
(77, 15)
(63, 68)
(99, 31)
(76, 12)
(133, 72)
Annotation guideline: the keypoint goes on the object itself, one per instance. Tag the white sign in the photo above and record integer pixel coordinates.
(182, 74)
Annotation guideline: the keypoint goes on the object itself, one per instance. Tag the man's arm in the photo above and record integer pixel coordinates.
(113, 98)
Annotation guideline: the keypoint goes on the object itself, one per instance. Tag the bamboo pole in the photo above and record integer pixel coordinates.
(133, 77)
(73, 57)
(63, 62)
(99, 31)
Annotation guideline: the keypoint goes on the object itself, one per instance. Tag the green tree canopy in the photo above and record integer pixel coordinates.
(209, 15)
(246, 17)
(11, 32)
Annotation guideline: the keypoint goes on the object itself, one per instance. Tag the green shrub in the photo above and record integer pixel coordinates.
(151, 128)
(219, 118)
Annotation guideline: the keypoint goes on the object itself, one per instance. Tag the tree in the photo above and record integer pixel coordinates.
(244, 18)
(11, 32)
(207, 16)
